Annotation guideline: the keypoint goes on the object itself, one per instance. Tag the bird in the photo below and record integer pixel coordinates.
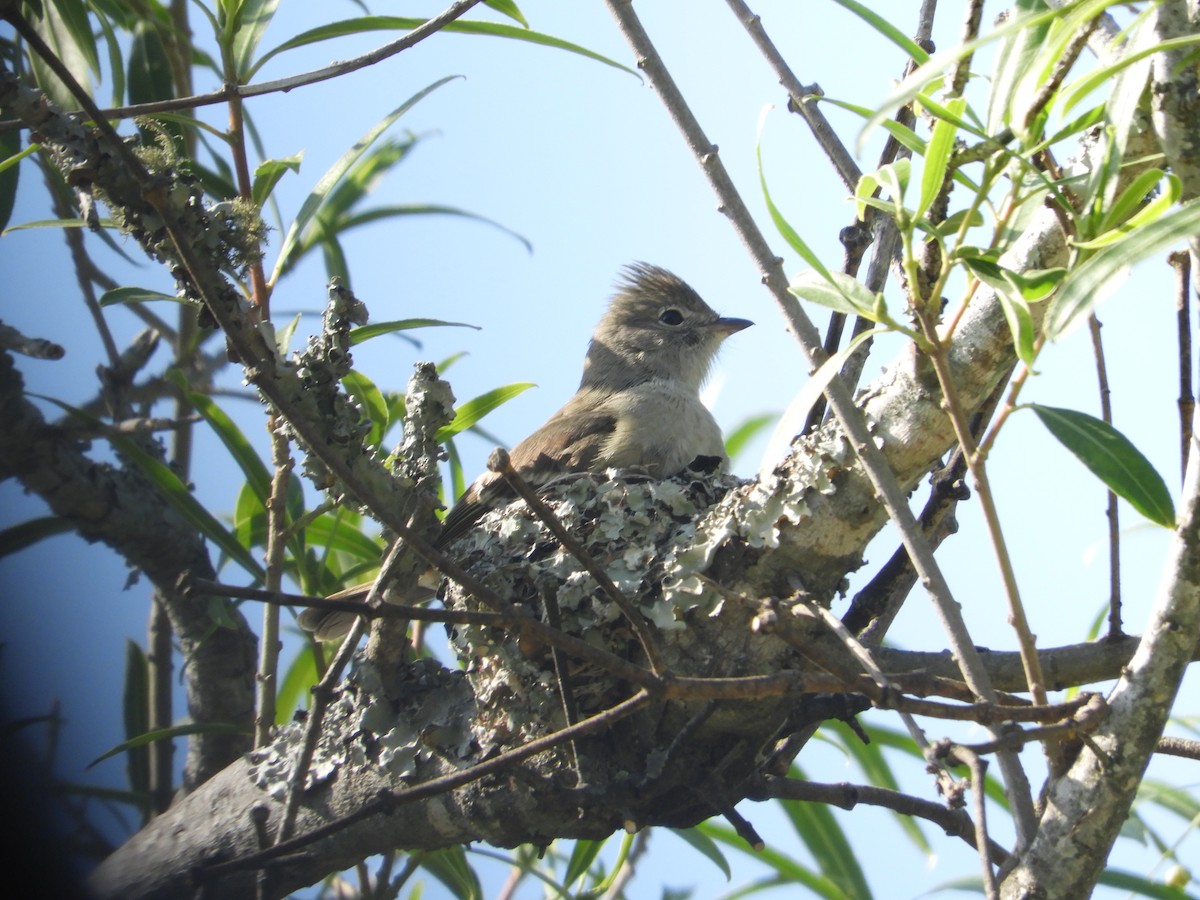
(637, 407)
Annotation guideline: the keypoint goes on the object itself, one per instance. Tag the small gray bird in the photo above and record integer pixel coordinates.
(638, 405)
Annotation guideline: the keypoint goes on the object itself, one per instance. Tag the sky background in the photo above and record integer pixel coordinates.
(581, 160)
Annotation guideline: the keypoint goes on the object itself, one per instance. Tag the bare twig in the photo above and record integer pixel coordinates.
(230, 91)
(387, 802)
(1181, 262)
(1114, 524)
(1173, 746)
(954, 822)
(978, 769)
(268, 649)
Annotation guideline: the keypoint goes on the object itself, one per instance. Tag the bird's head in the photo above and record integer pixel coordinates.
(656, 327)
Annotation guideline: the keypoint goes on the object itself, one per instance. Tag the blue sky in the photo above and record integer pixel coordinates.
(581, 160)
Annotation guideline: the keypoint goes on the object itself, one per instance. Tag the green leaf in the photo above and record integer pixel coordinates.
(56, 223)
(886, 28)
(1077, 90)
(396, 210)
(366, 332)
(10, 172)
(1140, 885)
(335, 533)
(939, 62)
(135, 707)
(460, 26)
(249, 25)
(1131, 198)
(451, 868)
(65, 27)
(1110, 456)
(166, 734)
(508, 8)
(1092, 280)
(1144, 216)
(26, 534)
(268, 173)
(706, 846)
(788, 233)
(583, 855)
(472, 411)
(747, 431)
(329, 181)
(937, 158)
(258, 476)
(296, 687)
(369, 397)
(173, 491)
(837, 291)
(121, 295)
(787, 870)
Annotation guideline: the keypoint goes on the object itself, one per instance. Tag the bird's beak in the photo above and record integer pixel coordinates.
(725, 326)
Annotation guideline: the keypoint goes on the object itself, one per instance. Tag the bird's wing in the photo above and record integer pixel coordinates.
(573, 440)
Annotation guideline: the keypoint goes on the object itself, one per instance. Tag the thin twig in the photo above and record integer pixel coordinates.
(800, 97)
(1173, 746)
(230, 91)
(1114, 524)
(1181, 262)
(978, 770)
(954, 822)
(391, 800)
(499, 461)
(268, 648)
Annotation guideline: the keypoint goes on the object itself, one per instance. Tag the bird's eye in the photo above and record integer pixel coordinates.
(671, 317)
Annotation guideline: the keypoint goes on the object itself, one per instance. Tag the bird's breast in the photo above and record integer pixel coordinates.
(660, 428)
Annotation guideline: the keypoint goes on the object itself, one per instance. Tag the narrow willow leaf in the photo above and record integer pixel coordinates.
(296, 687)
(249, 25)
(258, 476)
(10, 173)
(26, 534)
(583, 854)
(461, 26)
(706, 846)
(784, 865)
(886, 28)
(1077, 90)
(939, 62)
(374, 407)
(937, 158)
(748, 430)
(135, 710)
(57, 223)
(166, 734)
(508, 8)
(173, 491)
(1084, 287)
(1144, 216)
(335, 533)
(472, 411)
(268, 173)
(366, 332)
(837, 291)
(1140, 885)
(451, 868)
(316, 198)
(788, 233)
(1110, 456)
(136, 295)
(1131, 198)
(396, 210)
